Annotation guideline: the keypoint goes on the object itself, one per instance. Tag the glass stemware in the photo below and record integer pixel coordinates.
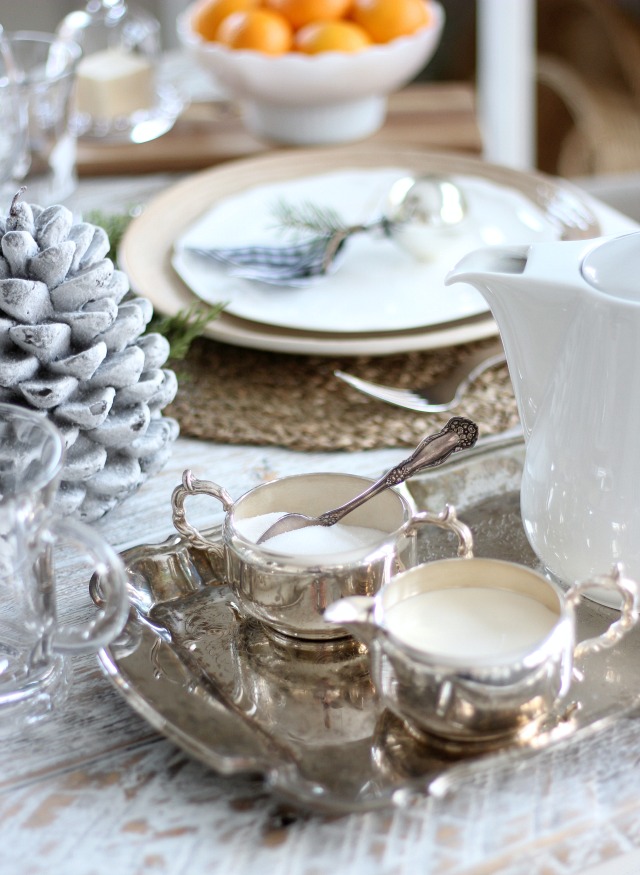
(14, 118)
(43, 70)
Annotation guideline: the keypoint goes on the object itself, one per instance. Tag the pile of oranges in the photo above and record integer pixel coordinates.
(311, 26)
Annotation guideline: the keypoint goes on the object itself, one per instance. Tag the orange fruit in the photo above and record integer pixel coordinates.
(386, 20)
(259, 29)
(301, 12)
(331, 36)
(208, 14)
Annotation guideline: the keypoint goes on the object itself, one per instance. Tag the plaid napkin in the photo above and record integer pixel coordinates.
(294, 265)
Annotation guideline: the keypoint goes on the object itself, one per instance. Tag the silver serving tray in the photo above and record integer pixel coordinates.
(305, 715)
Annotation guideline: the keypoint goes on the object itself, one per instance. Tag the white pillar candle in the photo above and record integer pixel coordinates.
(114, 83)
(506, 81)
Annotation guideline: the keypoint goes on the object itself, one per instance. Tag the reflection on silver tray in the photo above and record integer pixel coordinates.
(304, 715)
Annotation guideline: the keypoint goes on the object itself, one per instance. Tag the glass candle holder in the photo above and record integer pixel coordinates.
(120, 95)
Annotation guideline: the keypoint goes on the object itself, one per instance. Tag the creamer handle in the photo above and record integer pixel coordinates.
(628, 590)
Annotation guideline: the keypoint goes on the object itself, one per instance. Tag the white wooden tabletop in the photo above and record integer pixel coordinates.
(96, 790)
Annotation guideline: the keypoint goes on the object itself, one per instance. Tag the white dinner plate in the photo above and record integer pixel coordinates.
(378, 285)
(147, 248)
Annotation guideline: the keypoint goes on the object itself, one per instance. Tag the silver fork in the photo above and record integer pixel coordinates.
(443, 394)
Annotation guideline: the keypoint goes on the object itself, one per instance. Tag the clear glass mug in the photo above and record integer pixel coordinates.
(34, 646)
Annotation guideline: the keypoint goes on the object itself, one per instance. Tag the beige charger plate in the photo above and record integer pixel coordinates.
(147, 246)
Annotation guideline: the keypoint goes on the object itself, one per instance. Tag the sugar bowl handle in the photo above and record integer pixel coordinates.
(192, 486)
(447, 519)
(627, 589)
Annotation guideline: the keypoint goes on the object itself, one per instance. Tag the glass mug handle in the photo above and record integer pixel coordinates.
(110, 575)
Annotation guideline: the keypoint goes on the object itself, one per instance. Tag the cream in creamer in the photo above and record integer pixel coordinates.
(470, 622)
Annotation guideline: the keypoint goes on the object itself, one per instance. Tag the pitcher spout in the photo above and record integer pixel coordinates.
(530, 290)
(480, 263)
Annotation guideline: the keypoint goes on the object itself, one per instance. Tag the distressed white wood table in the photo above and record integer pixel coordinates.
(96, 790)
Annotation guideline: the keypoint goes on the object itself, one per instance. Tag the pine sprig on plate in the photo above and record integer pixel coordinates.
(308, 217)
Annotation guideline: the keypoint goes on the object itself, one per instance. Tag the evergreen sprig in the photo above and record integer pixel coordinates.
(115, 224)
(183, 327)
(308, 217)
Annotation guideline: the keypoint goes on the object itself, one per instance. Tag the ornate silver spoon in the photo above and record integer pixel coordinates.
(416, 210)
(458, 434)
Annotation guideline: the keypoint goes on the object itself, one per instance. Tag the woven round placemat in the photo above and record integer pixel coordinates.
(242, 396)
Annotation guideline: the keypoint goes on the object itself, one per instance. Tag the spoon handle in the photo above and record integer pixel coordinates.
(458, 434)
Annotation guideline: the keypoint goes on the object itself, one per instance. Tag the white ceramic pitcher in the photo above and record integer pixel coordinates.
(569, 317)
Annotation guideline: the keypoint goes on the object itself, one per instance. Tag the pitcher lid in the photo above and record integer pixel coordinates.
(613, 267)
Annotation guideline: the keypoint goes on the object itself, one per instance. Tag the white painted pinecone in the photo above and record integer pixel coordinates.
(72, 346)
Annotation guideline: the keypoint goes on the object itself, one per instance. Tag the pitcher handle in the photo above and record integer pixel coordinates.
(192, 486)
(448, 519)
(109, 571)
(627, 589)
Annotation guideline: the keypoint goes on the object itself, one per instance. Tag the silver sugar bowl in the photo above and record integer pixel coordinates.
(289, 593)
